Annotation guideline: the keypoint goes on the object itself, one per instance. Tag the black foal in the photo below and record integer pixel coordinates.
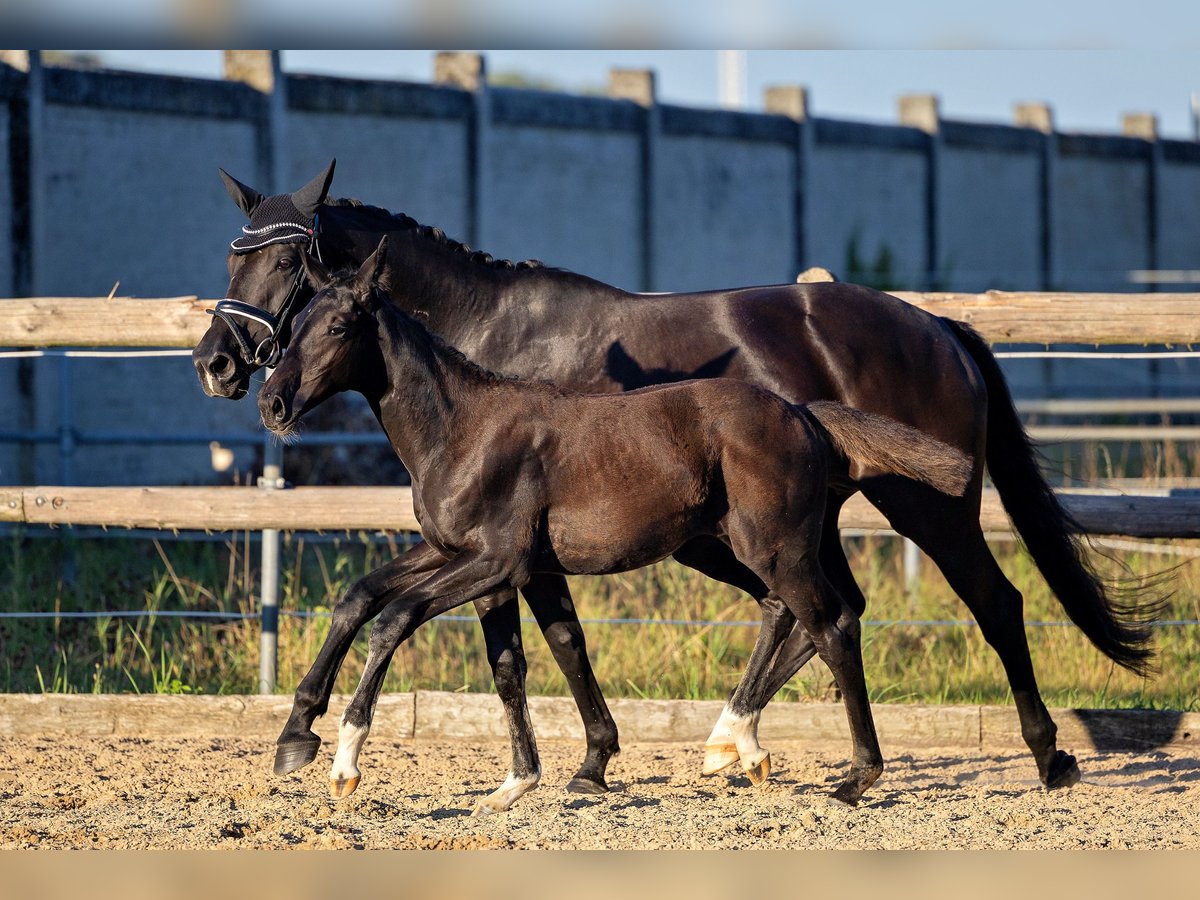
(511, 478)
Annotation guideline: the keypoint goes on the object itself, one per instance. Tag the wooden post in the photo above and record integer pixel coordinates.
(263, 71)
(27, 226)
(923, 112)
(468, 72)
(640, 86)
(793, 101)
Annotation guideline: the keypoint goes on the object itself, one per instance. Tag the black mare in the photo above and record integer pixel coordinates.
(514, 477)
(805, 342)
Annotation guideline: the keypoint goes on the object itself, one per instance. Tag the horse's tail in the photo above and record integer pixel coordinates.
(882, 443)
(1119, 629)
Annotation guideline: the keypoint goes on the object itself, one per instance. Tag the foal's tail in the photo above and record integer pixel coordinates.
(883, 443)
(1118, 627)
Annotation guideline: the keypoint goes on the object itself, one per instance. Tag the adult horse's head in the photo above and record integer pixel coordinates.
(266, 285)
(334, 345)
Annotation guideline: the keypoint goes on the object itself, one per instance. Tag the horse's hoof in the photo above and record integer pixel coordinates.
(1064, 772)
(846, 796)
(341, 788)
(296, 755)
(718, 758)
(582, 785)
(758, 773)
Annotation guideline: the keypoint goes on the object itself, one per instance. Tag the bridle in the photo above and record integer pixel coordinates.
(266, 353)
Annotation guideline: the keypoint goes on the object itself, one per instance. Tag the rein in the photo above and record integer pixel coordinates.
(268, 351)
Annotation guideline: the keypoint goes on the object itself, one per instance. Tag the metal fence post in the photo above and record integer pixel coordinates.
(263, 71)
(912, 570)
(268, 656)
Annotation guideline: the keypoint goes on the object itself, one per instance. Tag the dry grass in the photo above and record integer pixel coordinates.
(905, 663)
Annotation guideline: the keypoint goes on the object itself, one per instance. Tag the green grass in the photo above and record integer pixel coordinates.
(905, 664)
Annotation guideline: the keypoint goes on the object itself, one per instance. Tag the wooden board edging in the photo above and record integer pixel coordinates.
(441, 715)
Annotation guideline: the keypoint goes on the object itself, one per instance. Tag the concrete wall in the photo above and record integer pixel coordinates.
(417, 167)
(988, 226)
(567, 197)
(723, 202)
(6, 273)
(867, 188)
(1100, 213)
(9, 393)
(132, 196)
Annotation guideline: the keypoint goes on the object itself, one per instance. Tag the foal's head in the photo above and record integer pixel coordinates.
(334, 345)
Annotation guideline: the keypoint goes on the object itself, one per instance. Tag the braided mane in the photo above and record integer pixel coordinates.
(405, 222)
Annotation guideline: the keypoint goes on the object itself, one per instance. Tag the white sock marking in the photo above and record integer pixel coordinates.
(350, 743)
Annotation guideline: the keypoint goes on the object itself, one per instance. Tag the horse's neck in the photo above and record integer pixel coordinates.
(426, 391)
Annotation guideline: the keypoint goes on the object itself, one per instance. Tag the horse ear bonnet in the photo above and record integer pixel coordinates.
(285, 218)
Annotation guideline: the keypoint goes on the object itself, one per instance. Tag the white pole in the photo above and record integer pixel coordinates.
(731, 79)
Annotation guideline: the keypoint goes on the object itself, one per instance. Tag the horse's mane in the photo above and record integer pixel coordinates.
(405, 222)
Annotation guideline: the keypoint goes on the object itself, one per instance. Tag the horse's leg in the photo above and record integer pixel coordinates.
(297, 746)
(500, 619)
(502, 632)
(835, 630)
(947, 528)
(798, 649)
(735, 736)
(550, 600)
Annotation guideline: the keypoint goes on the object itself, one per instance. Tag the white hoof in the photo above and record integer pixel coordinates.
(344, 774)
(502, 799)
(735, 739)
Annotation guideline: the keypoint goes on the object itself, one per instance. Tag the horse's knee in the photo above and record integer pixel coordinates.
(353, 606)
(565, 639)
(508, 672)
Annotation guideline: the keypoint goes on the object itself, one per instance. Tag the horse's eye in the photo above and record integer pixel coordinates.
(337, 330)
(284, 263)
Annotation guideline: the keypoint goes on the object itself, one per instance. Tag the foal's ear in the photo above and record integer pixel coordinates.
(313, 194)
(315, 271)
(247, 198)
(373, 272)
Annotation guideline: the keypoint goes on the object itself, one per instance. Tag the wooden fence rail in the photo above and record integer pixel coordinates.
(1001, 316)
(1152, 514)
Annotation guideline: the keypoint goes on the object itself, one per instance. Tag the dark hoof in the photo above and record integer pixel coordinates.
(582, 785)
(296, 755)
(846, 796)
(1064, 772)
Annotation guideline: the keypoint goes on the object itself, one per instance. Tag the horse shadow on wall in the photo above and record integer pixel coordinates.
(627, 372)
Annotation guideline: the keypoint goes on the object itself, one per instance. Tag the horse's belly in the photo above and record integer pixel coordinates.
(599, 544)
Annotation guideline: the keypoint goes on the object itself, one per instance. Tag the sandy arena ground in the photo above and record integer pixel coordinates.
(133, 792)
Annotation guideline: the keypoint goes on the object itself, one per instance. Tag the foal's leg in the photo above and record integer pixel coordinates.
(550, 600)
(835, 631)
(502, 631)
(735, 736)
(798, 649)
(297, 745)
(500, 617)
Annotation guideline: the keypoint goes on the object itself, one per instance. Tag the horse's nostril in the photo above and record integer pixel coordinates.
(278, 410)
(220, 364)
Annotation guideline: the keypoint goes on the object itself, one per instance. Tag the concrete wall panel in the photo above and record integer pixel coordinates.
(871, 196)
(724, 213)
(989, 215)
(414, 166)
(569, 198)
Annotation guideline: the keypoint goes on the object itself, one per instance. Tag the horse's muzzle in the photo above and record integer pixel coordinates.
(221, 376)
(276, 412)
